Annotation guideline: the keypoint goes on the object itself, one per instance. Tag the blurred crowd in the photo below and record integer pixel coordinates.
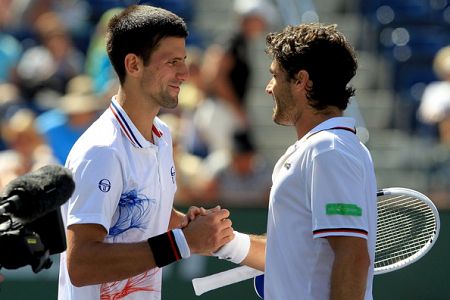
(433, 114)
(55, 79)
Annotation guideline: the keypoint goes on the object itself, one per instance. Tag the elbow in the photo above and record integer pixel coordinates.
(76, 283)
(77, 276)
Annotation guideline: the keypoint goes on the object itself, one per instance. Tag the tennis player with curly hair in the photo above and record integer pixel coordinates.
(322, 217)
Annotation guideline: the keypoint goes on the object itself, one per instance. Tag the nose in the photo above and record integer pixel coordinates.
(269, 87)
(183, 72)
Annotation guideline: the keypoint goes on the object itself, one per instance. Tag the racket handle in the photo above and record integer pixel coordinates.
(221, 279)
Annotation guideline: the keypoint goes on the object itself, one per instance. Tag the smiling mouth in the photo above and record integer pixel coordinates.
(274, 99)
(175, 87)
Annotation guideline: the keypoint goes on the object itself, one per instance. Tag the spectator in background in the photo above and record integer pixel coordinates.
(11, 166)
(10, 102)
(435, 103)
(244, 180)
(24, 13)
(190, 98)
(227, 70)
(77, 110)
(45, 69)
(10, 47)
(188, 166)
(27, 150)
(186, 10)
(434, 118)
(98, 66)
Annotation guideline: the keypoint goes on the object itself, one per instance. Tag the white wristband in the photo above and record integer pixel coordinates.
(236, 250)
(182, 244)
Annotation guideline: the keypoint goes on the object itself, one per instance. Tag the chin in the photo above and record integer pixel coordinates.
(170, 103)
(278, 119)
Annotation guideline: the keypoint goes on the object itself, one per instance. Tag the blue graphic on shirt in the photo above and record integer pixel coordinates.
(132, 213)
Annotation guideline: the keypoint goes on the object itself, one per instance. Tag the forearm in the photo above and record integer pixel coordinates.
(348, 281)
(256, 257)
(98, 262)
(350, 269)
(91, 261)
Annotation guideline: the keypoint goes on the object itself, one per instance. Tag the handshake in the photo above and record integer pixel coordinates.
(200, 231)
(210, 233)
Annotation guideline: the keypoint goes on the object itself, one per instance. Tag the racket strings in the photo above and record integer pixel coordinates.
(405, 226)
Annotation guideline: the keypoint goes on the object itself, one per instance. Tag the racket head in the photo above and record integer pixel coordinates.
(407, 228)
(258, 283)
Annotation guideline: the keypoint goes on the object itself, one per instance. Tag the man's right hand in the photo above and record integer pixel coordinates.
(207, 233)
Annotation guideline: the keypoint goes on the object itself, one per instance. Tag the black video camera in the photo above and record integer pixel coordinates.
(31, 226)
(31, 243)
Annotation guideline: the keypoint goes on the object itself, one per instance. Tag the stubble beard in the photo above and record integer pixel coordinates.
(168, 101)
(281, 114)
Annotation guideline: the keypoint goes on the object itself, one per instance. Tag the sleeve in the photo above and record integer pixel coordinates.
(338, 203)
(98, 180)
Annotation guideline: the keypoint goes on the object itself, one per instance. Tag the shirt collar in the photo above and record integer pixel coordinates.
(129, 129)
(333, 123)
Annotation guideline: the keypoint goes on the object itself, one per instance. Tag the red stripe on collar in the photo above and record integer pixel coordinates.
(156, 131)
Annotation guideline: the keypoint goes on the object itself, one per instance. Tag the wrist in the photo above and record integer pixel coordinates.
(236, 250)
(168, 247)
(182, 244)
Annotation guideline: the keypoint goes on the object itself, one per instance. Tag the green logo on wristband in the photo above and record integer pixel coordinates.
(344, 209)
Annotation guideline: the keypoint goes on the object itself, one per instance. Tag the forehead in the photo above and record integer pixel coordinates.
(275, 67)
(170, 47)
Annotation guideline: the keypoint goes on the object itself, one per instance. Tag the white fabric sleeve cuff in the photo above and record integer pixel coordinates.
(182, 244)
(236, 250)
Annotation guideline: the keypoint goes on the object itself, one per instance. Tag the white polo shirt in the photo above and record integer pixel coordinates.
(324, 185)
(127, 185)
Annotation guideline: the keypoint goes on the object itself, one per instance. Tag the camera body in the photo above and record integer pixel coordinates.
(31, 243)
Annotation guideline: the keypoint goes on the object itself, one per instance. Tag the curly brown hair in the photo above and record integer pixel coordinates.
(324, 53)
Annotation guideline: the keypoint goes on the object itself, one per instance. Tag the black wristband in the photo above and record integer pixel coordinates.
(165, 249)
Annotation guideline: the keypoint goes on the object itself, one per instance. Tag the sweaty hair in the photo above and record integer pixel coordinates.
(138, 29)
(324, 53)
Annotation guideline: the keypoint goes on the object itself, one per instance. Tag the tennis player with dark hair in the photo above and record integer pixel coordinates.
(121, 225)
(322, 218)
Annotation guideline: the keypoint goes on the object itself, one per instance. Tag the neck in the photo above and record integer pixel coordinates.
(141, 113)
(311, 118)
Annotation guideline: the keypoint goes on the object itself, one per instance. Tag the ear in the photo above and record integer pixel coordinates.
(302, 79)
(133, 65)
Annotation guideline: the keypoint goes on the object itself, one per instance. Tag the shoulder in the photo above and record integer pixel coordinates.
(101, 136)
(320, 142)
(341, 145)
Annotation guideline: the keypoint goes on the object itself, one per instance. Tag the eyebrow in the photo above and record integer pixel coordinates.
(180, 58)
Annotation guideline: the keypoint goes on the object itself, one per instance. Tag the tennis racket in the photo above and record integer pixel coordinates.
(407, 228)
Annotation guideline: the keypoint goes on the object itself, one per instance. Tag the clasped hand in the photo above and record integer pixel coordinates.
(206, 230)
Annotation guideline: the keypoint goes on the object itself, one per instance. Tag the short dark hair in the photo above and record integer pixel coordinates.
(324, 53)
(138, 29)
